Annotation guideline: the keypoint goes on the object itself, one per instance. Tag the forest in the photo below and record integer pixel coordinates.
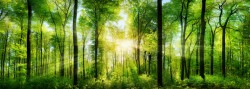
(120, 44)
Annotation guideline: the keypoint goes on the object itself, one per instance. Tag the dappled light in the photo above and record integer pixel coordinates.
(124, 44)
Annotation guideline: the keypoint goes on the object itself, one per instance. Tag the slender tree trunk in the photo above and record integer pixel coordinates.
(75, 42)
(20, 43)
(55, 57)
(36, 55)
(4, 53)
(164, 55)
(159, 51)
(145, 62)
(61, 64)
(212, 55)
(223, 51)
(96, 44)
(14, 69)
(138, 44)
(83, 57)
(28, 38)
(4, 57)
(41, 47)
(189, 66)
(232, 11)
(149, 63)
(202, 37)
(9, 64)
(170, 59)
(183, 23)
(62, 52)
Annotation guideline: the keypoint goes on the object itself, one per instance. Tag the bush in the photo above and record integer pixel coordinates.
(216, 82)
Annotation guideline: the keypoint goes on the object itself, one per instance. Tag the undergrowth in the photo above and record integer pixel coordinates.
(134, 82)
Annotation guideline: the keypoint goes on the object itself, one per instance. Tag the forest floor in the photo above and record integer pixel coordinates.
(136, 82)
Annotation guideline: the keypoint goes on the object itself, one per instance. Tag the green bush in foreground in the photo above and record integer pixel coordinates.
(142, 82)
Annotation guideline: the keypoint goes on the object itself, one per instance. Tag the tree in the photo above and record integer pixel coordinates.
(202, 37)
(75, 42)
(233, 10)
(41, 10)
(60, 17)
(159, 51)
(28, 38)
(144, 22)
(99, 11)
(213, 34)
(3, 13)
(184, 23)
(18, 15)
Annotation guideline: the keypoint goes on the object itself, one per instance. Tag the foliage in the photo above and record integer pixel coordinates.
(126, 32)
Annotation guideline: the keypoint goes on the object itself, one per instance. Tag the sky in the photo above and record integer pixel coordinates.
(164, 1)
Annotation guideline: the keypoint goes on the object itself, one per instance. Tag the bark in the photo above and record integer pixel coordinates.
(159, 35)
(4, 53)
(202, 37)
(138, 45)
(20, 43)
(61, 63)
(145, 61)
(212, 56)
(28, 38)
(9, 63)
(149, 63)
(75, 42)
(41, 45)
(36, 55)
(83, 57)
(170, 59)
(55, 57)
(96, 43)
(164, 55)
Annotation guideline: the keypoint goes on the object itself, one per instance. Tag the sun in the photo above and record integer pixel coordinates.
(124, 45)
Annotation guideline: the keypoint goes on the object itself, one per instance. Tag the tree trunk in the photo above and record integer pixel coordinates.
(28, 38)
(164, 55)
(75, 42)
(55, 63)
(212, 55)
(149, 63)
(4, 53)
(138, 45)
(36, 55)
(61, 63)
(9, 64)
(170, 59)
(159, 34)
(202, 37)
(223, 51)
(145, 62)
(233, 10)
(96, 44)
(41, 47)
(183, 36)
(83, 52)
